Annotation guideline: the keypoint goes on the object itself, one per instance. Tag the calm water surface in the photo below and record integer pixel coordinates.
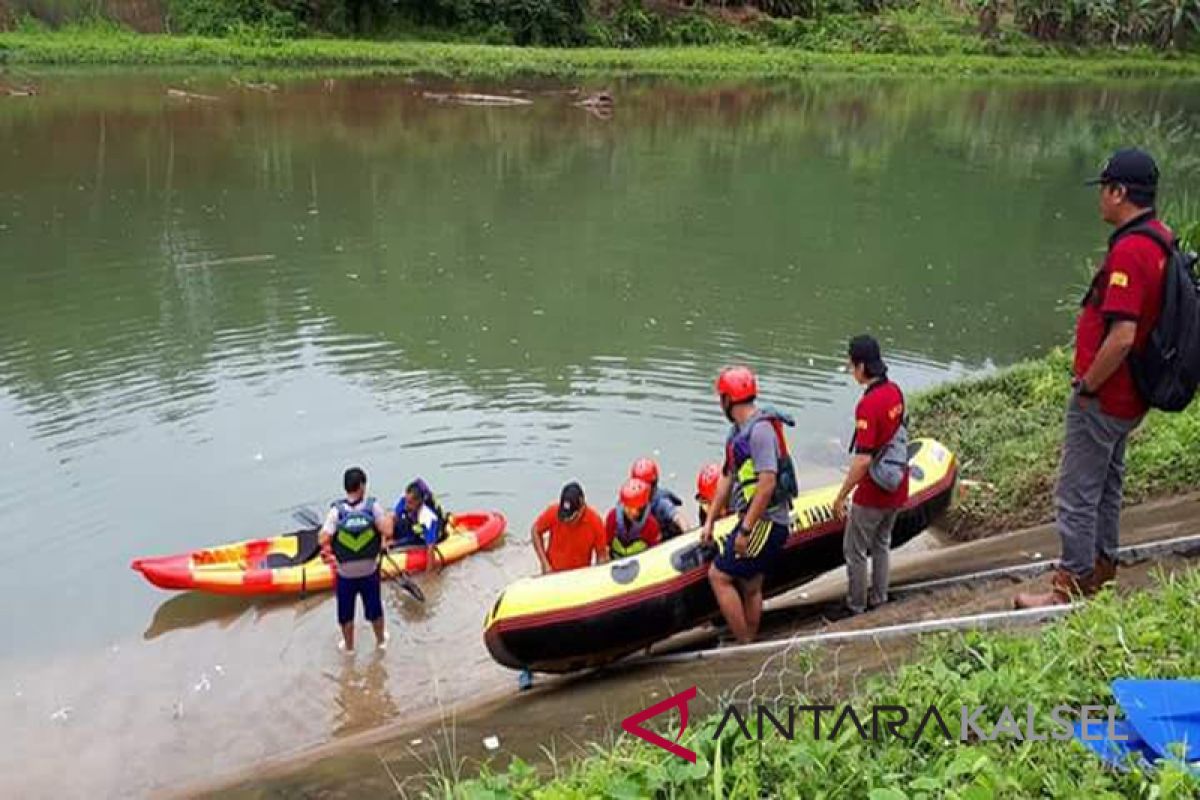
(209, 309)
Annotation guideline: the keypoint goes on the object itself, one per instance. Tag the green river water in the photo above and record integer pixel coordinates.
(211, 307)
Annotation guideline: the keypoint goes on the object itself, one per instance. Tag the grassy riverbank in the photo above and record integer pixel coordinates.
(114, 46)
(1071, 662)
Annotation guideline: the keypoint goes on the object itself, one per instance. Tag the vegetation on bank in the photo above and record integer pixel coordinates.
(894, 26)
(1007, 430)
(106, 45)
(1071, 662)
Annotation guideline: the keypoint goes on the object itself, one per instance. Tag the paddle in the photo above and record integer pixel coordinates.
(306, 516)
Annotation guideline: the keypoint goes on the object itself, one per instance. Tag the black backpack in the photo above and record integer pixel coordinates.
(1167, 370)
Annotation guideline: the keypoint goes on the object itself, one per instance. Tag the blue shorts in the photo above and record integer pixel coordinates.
(766, 541)
(350, 588)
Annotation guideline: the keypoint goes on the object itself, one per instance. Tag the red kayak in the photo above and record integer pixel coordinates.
(292, 562)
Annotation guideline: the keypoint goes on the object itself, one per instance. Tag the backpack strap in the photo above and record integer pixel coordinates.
(1149, 231)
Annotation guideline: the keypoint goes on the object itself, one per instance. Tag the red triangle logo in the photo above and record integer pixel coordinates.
(633, 724)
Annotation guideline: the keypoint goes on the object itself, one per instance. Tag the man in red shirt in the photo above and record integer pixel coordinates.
(880, 455)
(576, 533)
(1119, 311)
(631, 527)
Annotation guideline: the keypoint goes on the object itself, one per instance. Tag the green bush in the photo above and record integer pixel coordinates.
(256, 20)
(1160, 23)
(524, 22)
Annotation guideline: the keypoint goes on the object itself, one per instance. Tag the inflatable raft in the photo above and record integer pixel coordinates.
(587, 617)
(292, 563)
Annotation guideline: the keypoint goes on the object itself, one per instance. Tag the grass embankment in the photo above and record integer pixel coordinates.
(1071, 662)
(110, 46)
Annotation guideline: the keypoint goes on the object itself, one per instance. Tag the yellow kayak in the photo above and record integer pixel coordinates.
(586, 617)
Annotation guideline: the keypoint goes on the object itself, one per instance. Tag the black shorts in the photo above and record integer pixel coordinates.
(766, 540)
(350, 588)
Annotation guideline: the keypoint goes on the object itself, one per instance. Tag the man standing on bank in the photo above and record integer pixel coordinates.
(758, 479)
(878, 476)
(1119, 311)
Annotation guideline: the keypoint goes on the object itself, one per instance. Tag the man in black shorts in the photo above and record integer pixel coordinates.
(759, 478)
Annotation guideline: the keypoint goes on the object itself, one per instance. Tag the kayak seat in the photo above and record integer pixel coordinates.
(307, 547)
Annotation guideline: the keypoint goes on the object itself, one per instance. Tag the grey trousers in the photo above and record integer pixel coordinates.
(1090, 479)
(868, 530)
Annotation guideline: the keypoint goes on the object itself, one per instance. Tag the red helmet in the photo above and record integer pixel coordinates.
(645, 469)
(738, 384)
(635, 494)
(706, 482)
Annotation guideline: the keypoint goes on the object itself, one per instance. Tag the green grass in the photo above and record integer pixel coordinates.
(1071, 662)
(108, 46)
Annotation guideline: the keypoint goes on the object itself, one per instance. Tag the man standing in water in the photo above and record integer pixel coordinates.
(1119, 311)
(357, 529)
(878, 476)
(759, 477)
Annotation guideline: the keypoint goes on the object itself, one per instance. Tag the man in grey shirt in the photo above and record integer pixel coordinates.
(759, 479)
(357, 530)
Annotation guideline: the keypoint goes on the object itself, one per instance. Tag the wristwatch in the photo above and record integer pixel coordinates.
(1081, 388)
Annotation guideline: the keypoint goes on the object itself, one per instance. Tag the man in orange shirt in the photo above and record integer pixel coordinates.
(576, 533)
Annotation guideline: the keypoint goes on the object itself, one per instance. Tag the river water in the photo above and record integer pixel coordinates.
(212, 306)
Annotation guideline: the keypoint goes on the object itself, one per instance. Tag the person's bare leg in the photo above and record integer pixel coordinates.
(752, 599)
(348, 636)
(380, 633)
(730, 602)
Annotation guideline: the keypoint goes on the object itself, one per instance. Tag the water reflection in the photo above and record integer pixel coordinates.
(362, 698)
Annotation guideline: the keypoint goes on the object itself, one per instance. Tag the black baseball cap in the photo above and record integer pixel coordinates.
(865, 350)
(571, 501)
(1132, 168)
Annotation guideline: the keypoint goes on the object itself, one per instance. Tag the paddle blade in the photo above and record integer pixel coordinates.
(1165, 713)
(414, 591)
(307, 517)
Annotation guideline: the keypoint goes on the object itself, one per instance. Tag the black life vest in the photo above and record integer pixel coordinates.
(666, 519)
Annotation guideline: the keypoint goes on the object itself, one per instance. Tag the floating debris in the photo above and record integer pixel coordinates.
(257, 87)
(491, 742)
(203, 685)
(472, 99)
(63, 714)
(180, 94)
(415, 742)
(602, 99)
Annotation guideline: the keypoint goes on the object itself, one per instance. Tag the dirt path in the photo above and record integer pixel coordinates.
(560, 715)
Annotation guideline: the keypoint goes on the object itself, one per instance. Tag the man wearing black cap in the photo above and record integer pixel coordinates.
(1118, 313)
(576, 533)
(878, 476)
